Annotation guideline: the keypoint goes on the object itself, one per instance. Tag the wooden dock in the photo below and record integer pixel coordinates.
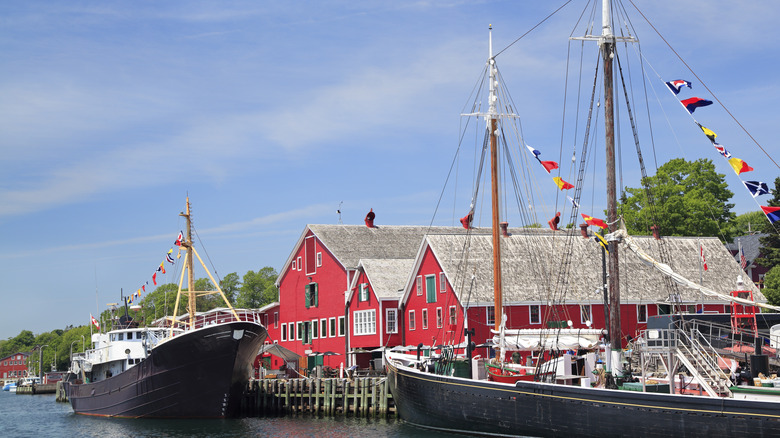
(362, 397)
(38, 388)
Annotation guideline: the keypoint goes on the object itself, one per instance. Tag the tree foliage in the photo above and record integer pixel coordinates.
(771, 288)
(691, 199)
(771, 242)
(258, 288)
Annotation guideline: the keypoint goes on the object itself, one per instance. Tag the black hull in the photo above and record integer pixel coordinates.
(547, 410)
(198, 374)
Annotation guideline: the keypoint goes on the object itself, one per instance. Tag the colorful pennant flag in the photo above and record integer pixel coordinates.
(709, 133)
(695, 102)
(590, 220)
(739, 166)
(721, 150)
(169, 258)
(757, 188)
(601, 241)
(94, 321)
(533, 151)
(549, 165)
(677, 84)
(154, 278)
(562, 185)
(573, 202)
(772, 213)
(178, 239)
(703, 260)
(143, 286)
(161, 268)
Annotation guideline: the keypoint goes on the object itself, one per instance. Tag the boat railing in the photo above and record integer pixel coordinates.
(226, 316)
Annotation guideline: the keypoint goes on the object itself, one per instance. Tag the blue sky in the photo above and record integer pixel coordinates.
(271, 115)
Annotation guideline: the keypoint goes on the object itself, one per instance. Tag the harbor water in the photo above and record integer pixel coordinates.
(41, 416)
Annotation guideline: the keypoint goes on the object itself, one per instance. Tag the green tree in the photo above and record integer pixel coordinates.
(230, 285)
(24, 341)
(747, 223)
(691, 199)
(770, 244)
(771, 288)
(258, 288)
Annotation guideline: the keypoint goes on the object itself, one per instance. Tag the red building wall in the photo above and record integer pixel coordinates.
(14, 366)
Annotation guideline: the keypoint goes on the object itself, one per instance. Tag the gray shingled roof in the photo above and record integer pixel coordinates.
(388, 276)
(350, 243)
(751, 245)
(532, 263)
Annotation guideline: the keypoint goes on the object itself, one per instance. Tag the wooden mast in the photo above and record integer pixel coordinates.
(607, 52)
(493, 126)
(190, 279)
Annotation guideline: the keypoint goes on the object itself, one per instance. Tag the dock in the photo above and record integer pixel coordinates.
(360, 397)
(39, 388)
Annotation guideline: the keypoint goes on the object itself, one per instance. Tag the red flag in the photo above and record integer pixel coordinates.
(94, 321)
(590, 220)
(549, 165)
(178, 239)
(563, 185)
(703, 260)
(154, 278)
(143, 286)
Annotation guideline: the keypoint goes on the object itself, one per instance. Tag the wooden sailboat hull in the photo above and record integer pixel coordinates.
(541, 409)
(198, 374)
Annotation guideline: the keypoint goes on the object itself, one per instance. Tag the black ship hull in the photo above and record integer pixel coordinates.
(546, 410)
(197, 374)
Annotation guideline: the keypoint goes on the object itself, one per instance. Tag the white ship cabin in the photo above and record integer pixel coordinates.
(117, 351)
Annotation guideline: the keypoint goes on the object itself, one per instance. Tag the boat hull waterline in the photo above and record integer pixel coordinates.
(198, 374)
(542, 409)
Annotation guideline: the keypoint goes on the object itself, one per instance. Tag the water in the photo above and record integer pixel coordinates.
(41, 416)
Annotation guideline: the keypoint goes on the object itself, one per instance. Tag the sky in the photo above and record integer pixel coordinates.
(273, 115)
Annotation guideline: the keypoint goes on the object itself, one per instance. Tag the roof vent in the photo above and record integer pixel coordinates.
(370, 218)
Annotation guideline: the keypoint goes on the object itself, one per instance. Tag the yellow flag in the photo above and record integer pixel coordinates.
(709, 133)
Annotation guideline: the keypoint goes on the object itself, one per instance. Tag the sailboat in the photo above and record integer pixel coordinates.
(426, 397)
(196, 366)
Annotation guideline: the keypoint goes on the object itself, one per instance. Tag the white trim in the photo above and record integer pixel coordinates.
(439, 317)
(364, 322)
(530, 314)
(425, 319)
(394, 311)
(339, 326)
(412, 320)
(332, 327)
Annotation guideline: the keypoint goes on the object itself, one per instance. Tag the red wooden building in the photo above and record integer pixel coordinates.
(14, 367)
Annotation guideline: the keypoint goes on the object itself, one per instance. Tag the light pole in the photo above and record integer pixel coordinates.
(71, 347)
(40, 361)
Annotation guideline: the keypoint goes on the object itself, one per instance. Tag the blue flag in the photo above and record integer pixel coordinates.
(757, 188)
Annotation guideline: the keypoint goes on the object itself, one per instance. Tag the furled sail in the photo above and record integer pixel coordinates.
(665, 269)
(556, 339)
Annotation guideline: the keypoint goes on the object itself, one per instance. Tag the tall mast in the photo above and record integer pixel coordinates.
(607, 52)
(493, 126)
(190, 279)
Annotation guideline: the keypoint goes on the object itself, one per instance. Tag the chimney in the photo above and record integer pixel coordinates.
(370, 218)
(584, 230)
(504, 226)
(656, 232)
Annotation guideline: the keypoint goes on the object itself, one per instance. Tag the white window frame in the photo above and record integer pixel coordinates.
(538, 314)
(442, 282)
(425, 319)
(488, 320)
(453, 317)
(419, 285)
(294, 265)
(391, 320)
(319, 259)
(315, 329)
(276, 319)
(589, 308)
(364, 322)
(299, 330)
(363, 294)
(284, 332)
(300, 263)
(333, 328)
(412, 321)
(342, 326)
(323, 328)
(639, 313)
(439, 317)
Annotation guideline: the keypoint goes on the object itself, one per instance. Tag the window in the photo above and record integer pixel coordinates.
(491, 316)
(323, 328)
(364, 322)
(310, 295)
(453, 316)
(442, 282)
(300, 263)
(332, 326)
(300, 332)
(363, 292)
(315, 329)
(307, 332)
(291, 331)
(294, 266)
(419, 285)
(430, 288)
(439, 321)
(391, 325)
(284, 332)
(585, 313)
(425, 319)
(411, 320)
(641, 313)
(534, 314)
(342, 326)
(319, 259)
